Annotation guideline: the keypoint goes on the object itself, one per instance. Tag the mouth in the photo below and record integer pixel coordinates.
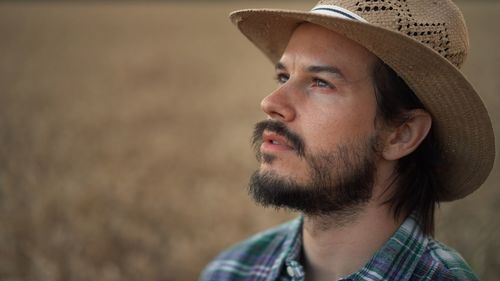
(271, 137)
(272, 142)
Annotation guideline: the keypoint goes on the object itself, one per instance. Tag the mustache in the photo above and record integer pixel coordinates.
(281, 129)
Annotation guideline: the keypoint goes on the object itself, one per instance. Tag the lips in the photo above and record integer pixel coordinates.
(274, 142)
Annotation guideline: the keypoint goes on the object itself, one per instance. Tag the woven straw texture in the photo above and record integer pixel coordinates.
(425, 42)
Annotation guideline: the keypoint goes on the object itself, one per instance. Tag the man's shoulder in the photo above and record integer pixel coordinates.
(441, 262)
(252, 257)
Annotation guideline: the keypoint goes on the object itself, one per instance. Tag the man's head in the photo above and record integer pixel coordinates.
(327, 131)
(388, 70)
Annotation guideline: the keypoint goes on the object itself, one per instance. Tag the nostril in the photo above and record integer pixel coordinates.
(277, 115)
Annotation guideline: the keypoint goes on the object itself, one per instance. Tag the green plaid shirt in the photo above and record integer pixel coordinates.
(275, 255)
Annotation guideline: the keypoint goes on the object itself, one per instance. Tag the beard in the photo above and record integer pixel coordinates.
(340, 181)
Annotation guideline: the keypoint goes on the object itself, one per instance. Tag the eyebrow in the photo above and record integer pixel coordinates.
(317, 69)
(279, 66)
(325, 68)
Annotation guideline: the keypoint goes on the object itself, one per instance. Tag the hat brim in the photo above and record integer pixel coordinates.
(460, 119)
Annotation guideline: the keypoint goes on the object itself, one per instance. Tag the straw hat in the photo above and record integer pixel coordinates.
(425, 42)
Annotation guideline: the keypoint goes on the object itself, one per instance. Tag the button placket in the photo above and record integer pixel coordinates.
(295, 271)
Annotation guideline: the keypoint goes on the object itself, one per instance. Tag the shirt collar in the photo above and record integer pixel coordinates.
(399, 256)
(396, 260)
(292, 246)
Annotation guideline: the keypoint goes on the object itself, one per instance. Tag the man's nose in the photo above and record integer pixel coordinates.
(278, 105)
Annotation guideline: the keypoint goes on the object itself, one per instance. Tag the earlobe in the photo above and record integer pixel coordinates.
(406, 138)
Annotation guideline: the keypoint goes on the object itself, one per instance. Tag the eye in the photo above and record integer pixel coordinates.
(320, 83)
(282, 78)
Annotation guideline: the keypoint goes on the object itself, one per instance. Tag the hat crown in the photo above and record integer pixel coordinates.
(438, 24)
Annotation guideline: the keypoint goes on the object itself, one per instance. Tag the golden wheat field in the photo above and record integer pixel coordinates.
(124, 139)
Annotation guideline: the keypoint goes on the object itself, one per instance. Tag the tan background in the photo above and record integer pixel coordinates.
(124, 140)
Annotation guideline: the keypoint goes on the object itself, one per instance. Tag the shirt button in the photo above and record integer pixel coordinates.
(290, 271)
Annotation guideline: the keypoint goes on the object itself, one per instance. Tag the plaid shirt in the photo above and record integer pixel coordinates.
(275, 255)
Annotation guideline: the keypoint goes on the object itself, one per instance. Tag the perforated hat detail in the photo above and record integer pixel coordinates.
(415, 22)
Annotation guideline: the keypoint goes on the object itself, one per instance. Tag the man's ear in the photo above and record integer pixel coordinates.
(405, 138)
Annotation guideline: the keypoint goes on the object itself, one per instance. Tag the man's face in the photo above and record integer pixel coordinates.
(320, 138)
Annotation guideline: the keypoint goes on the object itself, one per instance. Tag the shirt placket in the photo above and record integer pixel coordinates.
(295, 270)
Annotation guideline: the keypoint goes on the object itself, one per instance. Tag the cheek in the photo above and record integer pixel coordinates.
(327, 128)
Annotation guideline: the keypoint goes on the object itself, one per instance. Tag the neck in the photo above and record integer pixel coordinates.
(336, 246)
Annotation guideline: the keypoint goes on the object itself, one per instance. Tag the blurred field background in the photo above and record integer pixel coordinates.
(124, 139)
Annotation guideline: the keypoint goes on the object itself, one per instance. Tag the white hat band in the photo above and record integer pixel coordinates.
(336, 11)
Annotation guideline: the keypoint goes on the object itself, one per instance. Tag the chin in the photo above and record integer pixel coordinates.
(287, 173)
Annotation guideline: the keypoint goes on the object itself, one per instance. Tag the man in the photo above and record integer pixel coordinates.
(371, 125)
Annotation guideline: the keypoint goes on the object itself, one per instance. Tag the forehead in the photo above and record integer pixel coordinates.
(313, 44)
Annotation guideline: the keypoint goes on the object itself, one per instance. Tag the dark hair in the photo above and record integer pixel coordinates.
(416, 174)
